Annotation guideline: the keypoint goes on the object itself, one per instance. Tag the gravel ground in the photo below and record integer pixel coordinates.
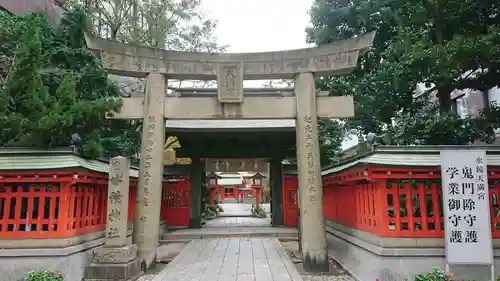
(165, 254)
(147, 277)
(337, 272)
(326, 278)
(151, 274)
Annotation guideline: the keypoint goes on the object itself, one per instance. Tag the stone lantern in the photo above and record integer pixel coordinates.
(257, 186)
(212, 186)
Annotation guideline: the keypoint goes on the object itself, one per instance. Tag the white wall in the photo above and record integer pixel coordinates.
(230, 181)
(494, 96)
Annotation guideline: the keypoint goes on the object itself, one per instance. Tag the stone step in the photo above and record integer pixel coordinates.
(177, 237)
(288, 238)
(175, 240)
(234, 215)
(169, 238)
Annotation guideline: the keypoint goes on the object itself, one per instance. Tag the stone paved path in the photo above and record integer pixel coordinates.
(240, 209)
(235, 210)
(231, 259)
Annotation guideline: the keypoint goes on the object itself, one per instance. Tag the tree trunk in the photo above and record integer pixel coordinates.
(486, 101)
(135, 21)
(438, 23)
(445, 102)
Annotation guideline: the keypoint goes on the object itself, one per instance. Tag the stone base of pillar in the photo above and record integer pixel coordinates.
(116, 264)
(314, 264)
(148, 260)
(195, 222)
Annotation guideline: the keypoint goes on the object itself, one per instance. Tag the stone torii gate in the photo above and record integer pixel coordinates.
(231, 102)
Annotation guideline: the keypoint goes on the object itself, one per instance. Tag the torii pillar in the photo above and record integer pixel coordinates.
(148, 201)
(312, 224)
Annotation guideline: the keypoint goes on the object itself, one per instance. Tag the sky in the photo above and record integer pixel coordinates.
(260, 26)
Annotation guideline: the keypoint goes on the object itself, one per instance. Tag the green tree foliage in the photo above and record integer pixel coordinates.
(331, 135)
(444, 44)
(178, 25)
(167, 24)
(56, 88)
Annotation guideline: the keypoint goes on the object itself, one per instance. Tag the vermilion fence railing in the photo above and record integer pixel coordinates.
(290, 200)
(395, 202)
(388, 202)
(54, 204)
(175, 201)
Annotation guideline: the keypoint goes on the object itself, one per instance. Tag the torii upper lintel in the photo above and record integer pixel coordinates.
(338, 57)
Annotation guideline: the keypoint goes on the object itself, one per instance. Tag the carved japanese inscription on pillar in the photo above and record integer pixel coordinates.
(117, 209)
(146, 227)
(230, 82)
(113, 233)
(148, 179)
(311, 173)
(115, 197)
(114, 215)
(147, 166)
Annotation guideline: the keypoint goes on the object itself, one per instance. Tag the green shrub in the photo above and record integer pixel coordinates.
(219, 208)
(210, 214)
(164, 225)
(213, 209)
(258, 212)
(435, 275)
(261, 213)
(43, 276)
(438, 275)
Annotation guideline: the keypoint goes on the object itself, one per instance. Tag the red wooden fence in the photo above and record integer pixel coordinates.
(290, 200)
(175, 203)
(54, 204)
(388, 202)
(395, 202)
(63, 204)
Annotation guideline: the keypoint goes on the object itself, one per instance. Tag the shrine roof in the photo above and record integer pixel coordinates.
(410, 156)
(15, 159)
(231, 125)
(234, 174)
(258, 175)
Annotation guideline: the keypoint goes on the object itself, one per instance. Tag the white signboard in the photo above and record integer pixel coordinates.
(466, 207)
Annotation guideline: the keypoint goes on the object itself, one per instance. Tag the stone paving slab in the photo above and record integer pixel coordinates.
(231, 259)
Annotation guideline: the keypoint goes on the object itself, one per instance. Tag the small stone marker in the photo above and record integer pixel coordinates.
(117, 260)
(118, 190)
